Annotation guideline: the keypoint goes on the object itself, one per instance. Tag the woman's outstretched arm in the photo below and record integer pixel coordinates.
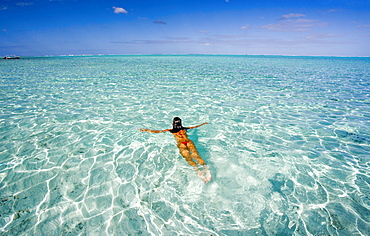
(154, 131)
(197, 126)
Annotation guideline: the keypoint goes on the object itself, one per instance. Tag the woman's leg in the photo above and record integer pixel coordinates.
(195, 154)
(186, 154)
(202, 172)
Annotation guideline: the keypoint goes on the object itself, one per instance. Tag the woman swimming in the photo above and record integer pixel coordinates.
(185, 145)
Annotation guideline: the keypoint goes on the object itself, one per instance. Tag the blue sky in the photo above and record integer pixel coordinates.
(81, 27)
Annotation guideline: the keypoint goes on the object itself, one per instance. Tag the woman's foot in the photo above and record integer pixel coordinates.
(204, 174)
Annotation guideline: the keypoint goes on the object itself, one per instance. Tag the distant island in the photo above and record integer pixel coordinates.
(8, 57)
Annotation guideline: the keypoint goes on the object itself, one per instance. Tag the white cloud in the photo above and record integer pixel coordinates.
(275, 27)
(118, 10)
(322, 36)
(304, 21)
(292, 26)
(245, 27)
(23, 4)
(293, 23)
(159, 22)
(292, 15)
(364, 26)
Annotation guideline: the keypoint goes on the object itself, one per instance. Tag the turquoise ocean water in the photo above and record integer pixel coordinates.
(288, 145)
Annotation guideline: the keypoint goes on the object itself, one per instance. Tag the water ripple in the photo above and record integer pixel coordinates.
(287, 144)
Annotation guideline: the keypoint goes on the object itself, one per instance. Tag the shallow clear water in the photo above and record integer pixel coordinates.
(287, 143)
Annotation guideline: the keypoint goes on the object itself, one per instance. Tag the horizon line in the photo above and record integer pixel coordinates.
(190, 54)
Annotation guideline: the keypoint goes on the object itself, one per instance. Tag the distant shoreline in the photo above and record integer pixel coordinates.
(231, 55)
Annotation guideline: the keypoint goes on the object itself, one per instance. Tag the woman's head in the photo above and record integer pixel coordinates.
(176, 124)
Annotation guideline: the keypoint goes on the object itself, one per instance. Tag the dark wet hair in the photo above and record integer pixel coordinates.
(176, 124)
